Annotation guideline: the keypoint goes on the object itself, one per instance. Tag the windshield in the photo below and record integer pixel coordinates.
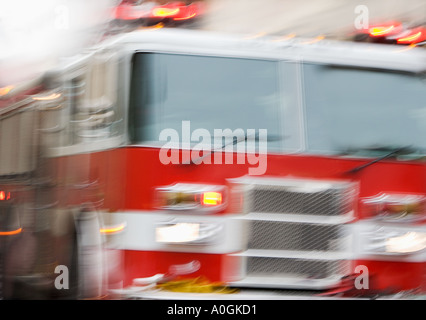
(210, 92)
(360, 112)
(355, 109)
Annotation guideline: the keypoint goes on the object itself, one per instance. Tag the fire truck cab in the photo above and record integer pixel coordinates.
(259, 163)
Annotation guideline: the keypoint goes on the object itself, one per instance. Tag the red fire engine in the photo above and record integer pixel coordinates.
(258, 163)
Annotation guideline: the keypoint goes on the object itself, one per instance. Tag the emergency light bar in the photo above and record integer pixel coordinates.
(174, 10)
(385, 30)
(416, 35)
(165, 12)
(394, 33)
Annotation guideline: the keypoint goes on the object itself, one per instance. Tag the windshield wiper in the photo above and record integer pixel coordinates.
(235, 141)
(390, 152)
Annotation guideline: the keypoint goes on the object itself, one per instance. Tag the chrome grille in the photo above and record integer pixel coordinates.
(278, 235)
(312, 269)
(297, 231)
(278, 199)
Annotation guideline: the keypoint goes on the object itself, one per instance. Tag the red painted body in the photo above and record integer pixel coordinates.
(394, 276)
(145, 172)
(127, 178)
(140, 264)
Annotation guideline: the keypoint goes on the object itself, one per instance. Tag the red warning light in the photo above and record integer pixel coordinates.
(212, 198)
(415, 36)
(4, 195)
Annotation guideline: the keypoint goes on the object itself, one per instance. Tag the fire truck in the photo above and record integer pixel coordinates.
(269, 163)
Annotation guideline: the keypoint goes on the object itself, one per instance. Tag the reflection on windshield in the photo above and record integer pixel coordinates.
(210, 92)
(352, 109)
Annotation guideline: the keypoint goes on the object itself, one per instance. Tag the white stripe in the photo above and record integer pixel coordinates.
(141, 225)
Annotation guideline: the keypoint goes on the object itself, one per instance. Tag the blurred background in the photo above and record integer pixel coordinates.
(305, 18)
(35, 33)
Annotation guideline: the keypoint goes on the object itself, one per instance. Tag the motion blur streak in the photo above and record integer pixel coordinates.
(34, 34)
(411, 38)
(380, 31)
(10, 233)
(305, 18)
(186, 18)
(113, 229)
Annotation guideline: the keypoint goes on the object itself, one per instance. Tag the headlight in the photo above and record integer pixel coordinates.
(406, 243)
(188, 233)
(385, 240)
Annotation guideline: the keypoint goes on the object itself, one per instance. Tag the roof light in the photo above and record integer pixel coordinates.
(410, 39)
(132, 12)
(381, 31)
(186, 18)
(165, 12)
